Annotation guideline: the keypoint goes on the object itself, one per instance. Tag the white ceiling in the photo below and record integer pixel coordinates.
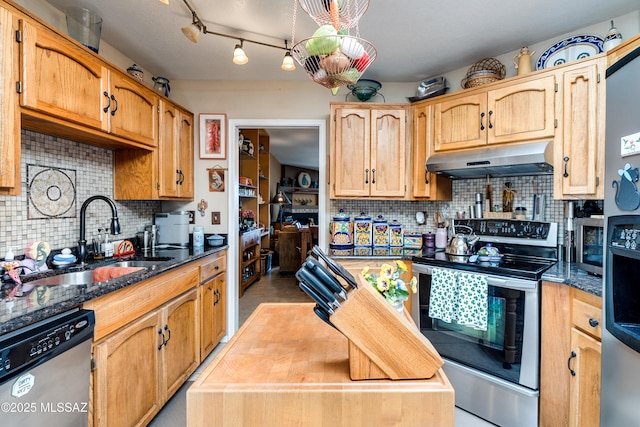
(415, 39)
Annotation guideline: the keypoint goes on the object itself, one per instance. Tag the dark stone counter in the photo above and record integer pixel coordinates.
(572, 276)
(42, 302)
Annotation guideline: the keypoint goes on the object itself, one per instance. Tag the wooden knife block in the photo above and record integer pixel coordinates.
(382, 342)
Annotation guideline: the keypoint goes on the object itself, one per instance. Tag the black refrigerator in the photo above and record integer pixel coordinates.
(620, 377)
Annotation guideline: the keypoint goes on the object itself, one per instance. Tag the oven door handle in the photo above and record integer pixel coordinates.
(511, 283)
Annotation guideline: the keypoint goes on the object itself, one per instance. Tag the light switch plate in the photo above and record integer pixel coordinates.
(215, 218)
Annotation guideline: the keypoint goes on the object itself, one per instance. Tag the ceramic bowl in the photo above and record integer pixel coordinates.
(215, 240)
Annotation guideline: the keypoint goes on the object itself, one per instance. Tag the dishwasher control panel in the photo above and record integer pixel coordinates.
(44, 340)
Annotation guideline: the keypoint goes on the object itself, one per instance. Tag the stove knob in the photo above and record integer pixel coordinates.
(7, 364)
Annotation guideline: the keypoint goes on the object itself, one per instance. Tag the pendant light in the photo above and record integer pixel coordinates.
(287, 61)
(239, 57)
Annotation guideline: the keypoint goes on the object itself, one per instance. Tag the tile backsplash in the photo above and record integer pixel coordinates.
(464, 192)
(57, 176)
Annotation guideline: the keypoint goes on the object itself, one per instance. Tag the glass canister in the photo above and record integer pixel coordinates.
(198, 237)
(441, 238)
(362, 230)
(341, 231)
(380, 232)
(395, 234)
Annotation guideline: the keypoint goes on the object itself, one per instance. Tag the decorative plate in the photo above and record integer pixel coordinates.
(571, 49)
(304, 180)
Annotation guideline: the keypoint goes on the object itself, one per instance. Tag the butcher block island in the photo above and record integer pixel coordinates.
(286, 367)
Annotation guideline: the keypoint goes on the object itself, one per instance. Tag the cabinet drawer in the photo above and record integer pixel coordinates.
(584, 317)
(213, 267)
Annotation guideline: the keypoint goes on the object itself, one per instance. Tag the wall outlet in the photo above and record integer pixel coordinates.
(215, 218)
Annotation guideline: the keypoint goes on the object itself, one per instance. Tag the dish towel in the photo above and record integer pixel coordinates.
(443, 297)
(472, 299)
(459, 297)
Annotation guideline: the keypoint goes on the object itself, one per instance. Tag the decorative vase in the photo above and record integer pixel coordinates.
(249, 222)
(399, 305)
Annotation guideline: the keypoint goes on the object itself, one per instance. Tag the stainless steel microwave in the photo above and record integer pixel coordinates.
(590, 244)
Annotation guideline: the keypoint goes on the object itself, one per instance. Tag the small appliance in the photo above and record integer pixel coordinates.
(173, 228)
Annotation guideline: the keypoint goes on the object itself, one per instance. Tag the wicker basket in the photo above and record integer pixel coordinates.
(485, 71)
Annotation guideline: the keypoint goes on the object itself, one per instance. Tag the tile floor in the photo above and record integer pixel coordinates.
(270, 288)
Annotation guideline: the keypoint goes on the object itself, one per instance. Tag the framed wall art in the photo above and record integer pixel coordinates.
(213, 129)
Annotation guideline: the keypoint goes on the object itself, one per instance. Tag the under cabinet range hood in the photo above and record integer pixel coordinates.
(532, 158)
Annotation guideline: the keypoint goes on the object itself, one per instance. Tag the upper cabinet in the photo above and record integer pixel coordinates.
(9, 109)
(425, 185)
(505, 113)
(579, 147)
(61, 81)
(175, 152)
(368, 151)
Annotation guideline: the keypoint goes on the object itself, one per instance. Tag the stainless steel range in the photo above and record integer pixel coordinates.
(484, 317)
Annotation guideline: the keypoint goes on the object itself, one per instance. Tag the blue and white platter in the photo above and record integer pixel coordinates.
(571, 49)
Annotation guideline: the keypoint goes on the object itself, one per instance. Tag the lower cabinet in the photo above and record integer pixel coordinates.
(140, 367)
(213, 282)
(570, 357)
(148, 339)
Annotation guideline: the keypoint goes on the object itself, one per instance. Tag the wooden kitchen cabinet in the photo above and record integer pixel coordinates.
(570, 342)
(166, 173)
(425, 185)
(213, 283)
(510, 112)
(249, 259)
(579, 146)
(368, 151)
(9, 108)
(64, 83)
(175, 152)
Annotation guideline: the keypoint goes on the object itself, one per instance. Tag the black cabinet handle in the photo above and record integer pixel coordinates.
(113, 112)
(105, 109)
(593, 322)
(366, 176)
(373, 176)
(163, 340)
(481, 121)
(573, 355)
(426, 177)
(566, 161)
(490, 124)
(166, 328)
(177, 177)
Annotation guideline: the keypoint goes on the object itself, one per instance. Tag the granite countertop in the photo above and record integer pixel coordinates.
(45, 301)
(570, 275)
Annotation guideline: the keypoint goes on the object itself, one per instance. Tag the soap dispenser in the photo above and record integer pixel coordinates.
(9, 255)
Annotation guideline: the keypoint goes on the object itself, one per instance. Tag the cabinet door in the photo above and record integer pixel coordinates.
(9, 109)
(182, 345)
(207, 298)
(388, 153)
(585, 384)
(579, 156)
(219, 309)
(134, 110)
(61, 79)
(125, 380)
(521, 112)
(168, 173)
(185, 154)
(461, 122)
(351, 154)
(421, 138)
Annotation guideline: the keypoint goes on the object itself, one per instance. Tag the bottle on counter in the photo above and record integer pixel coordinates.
(198, 237)
(507, 197)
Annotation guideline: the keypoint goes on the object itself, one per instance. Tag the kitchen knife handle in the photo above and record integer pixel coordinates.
(490, 123)
(317, 298)
(323, 274)
(316, 284)
(323, 315)
(366, 176)
(481, 121)
(566, 161)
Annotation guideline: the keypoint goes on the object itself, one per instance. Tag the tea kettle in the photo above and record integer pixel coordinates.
(161, 84)
(522, 61)
(462, 244)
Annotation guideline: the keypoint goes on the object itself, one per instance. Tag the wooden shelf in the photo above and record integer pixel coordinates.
(299, 190)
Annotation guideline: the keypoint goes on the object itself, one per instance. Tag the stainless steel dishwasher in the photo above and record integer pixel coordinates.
(45, 370)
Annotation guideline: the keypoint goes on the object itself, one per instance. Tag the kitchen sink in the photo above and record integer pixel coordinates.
(67, 279)
(135, 263)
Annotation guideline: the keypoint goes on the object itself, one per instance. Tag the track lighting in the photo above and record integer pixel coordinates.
(239, 57)
(192, 32)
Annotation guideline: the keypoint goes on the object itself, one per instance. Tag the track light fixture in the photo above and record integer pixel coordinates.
(193, 30)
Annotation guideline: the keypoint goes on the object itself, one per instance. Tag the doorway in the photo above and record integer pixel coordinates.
(233, 198)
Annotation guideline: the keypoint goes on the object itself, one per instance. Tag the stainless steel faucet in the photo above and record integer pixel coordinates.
(115, 224)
